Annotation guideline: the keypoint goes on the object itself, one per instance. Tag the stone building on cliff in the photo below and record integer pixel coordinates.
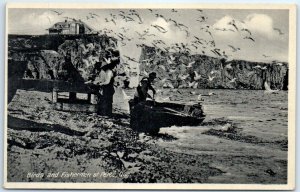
(70, 27)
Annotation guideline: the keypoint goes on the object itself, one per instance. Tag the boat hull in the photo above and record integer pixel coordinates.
(151, 116)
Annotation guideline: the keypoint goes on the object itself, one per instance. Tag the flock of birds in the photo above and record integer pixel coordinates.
(152, 36)
(202, 45)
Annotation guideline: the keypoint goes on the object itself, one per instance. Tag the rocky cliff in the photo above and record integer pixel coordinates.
(45, 56)
(182, 70)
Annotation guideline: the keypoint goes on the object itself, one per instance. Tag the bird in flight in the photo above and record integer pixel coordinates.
(232, 80)
(122, 43)
(140, 35)
(247, 30)
(195, 46)
(159, 28)
(212, 43)
(210, 78)
(58, 13)
(161, 16)
(233, 24)
(259, 67)
(192, 84)
(197, 76)
(112, 20)
(182, 25)
(265, 56)
(278, 30)
(220, 29)
(250, 38)
(175, 22)
(183, 77)
(113, 16)
(131, 59)
(138, 16)
(132, 10)
(126, 17)
(144, 73)
(124, 29)
(216, 51)
(187, 33)
(202, 19)
(159, 42)
(94, 14)
(191, 64)
(162, 67)
(208, 31)
(233, 48)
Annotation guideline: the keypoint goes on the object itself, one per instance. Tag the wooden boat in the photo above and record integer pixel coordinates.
(150, 116)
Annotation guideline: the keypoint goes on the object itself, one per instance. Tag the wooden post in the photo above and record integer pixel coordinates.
(54, 96)
(89, 97)
(93, 99)
(72, 96)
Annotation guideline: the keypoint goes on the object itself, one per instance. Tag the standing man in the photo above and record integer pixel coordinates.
(106, 83)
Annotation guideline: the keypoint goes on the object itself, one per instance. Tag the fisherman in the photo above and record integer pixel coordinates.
(145, 84)
(106, 82)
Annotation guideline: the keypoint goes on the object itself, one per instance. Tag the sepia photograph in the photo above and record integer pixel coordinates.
(150, 96)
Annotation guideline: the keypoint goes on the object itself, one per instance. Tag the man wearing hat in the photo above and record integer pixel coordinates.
(145, 84)
(106, 82)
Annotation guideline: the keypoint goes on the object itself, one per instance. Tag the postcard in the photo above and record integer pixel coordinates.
(150, 96)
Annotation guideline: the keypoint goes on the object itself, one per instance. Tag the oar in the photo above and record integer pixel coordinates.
(178, 112)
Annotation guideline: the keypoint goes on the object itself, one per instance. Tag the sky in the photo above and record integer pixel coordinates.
(281, 20)
(229, 29)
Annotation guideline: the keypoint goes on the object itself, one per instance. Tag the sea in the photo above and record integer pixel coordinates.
(253, 112)
(244, 134)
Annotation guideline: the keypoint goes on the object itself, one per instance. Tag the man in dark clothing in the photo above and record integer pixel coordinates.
(107, 86)
(141, 93)
(106, 91)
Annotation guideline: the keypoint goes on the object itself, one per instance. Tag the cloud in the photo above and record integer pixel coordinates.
(172, 33)
(260, 26)
(37, 21)
(260, 23)
(161, 22)
(223, 23)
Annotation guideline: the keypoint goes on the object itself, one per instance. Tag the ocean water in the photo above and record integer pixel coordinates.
(244, 134)
(253, 112)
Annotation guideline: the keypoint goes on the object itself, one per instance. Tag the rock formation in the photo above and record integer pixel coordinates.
(45, 55)
(181, 70)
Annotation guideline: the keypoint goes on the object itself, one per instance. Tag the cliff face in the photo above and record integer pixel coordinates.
(181, 70)
(60, 57)
(45, 58)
